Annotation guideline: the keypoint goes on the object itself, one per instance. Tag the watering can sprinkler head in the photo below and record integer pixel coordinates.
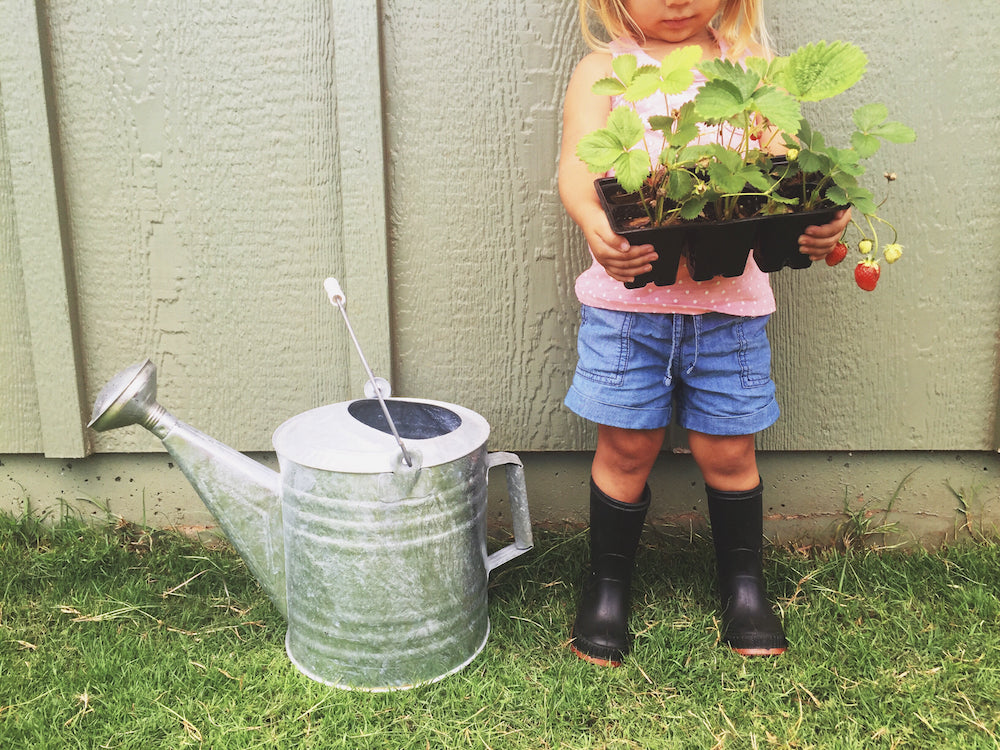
(128, 398)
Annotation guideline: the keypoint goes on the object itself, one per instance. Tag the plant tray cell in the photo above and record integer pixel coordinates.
(720, 248)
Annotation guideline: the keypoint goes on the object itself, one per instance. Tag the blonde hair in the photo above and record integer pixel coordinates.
(739, 22)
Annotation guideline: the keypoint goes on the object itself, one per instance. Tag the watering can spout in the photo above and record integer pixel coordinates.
(242, 494)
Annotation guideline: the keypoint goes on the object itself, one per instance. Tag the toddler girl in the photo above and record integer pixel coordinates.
(700, 346)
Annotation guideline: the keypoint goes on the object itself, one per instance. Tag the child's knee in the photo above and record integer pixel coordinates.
(723, 457)
(629, 450)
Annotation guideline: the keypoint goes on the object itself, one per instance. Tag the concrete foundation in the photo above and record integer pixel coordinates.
(810, 497)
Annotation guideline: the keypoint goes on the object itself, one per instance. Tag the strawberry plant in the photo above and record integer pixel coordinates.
(742, 147)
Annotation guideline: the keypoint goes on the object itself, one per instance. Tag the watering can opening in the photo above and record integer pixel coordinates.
(413, 420)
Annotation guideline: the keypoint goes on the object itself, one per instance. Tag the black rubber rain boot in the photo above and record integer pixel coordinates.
(749, 624)
(600, 632)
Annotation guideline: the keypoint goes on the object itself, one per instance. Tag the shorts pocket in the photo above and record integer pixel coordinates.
(603, 345)
(754, 352)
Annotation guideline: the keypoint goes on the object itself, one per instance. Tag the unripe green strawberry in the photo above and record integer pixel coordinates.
(836, 255)
(865, 246)
(792, 154)
(866, 274)
(893, 252)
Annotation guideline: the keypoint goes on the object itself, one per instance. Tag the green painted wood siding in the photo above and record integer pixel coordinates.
(215, 165)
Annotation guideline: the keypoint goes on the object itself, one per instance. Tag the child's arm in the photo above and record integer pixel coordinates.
(584, 112)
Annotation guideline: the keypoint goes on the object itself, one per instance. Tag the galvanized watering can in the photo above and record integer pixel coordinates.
(371, 540)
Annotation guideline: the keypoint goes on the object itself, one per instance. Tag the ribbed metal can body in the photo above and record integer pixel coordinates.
(386, 574)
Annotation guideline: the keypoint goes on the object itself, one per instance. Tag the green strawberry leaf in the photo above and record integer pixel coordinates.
(895, 132)
(731, 160)
(871, 120)
(864, 204)
(626, 125)
(783, 200)
(692, 154)
(718, 100)
(598, 150)
(679, 185)
(820, 70)
(778, 107)
(846, 160)
(838, 195)
(684, 134)
(811, 161)
(676, 70)
(662, 123)
(692, 208)
(624, 67)
(601, 149)
(865, 145)
(632, 169)
(775, 71)
(724, 180)
(757, 179)
(846, 182)
(869, 116)
(759, 66)
(856, 196)
(608, 87)
(644, 82)
(744, 80)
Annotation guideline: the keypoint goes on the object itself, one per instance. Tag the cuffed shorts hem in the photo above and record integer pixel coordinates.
(632, 418)
(745, 424)
(614, 415)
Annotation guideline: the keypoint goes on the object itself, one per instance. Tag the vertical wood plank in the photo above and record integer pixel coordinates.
(20, 431)
(357, 53)
(44, 252)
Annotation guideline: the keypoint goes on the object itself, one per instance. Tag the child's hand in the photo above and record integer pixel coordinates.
(818, 241)
(622, 261)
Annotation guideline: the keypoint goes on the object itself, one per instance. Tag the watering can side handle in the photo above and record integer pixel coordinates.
(518, 495)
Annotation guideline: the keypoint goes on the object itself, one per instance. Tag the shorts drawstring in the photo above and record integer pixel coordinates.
(696, 319)
(668, 377)
(677, 339)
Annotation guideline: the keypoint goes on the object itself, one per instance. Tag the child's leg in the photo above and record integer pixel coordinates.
(735, 505)
(624, 459)
(619, 499)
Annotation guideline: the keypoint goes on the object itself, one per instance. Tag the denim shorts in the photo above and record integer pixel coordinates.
(634, 367)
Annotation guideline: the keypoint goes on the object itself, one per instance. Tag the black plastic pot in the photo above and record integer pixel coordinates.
(710, 248)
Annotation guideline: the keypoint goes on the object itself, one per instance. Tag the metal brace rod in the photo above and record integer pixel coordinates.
(337, 298)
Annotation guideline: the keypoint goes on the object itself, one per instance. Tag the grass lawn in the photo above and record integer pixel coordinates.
(122, 637)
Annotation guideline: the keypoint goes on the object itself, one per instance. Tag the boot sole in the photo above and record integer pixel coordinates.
(595, 659)
(761, 651)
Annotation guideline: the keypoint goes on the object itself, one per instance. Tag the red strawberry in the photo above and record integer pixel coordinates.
(866, 274)
(836, 255)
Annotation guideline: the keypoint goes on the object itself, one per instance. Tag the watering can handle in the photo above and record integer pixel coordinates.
(518, 509)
